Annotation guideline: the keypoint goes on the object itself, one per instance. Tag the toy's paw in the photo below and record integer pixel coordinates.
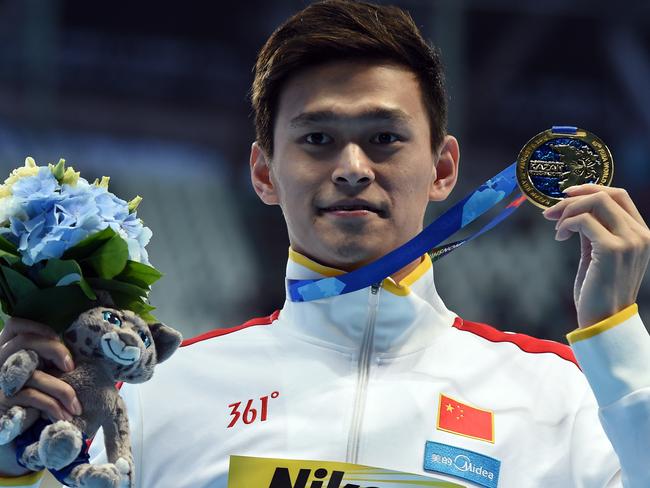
(11, 424)
(16, 370)
(31, 459)
(126, 471)
(96, 476)
(60, 444)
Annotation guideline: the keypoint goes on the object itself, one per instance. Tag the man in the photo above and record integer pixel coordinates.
(351, 143)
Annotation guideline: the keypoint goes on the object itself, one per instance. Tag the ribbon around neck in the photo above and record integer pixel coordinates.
(466, 211)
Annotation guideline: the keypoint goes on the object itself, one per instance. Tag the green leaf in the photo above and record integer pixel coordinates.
(14, 288)
(88, 291)
(142, 308)
(78, 280)
(109, 259)
(19, 285)
(6, 296)
(89, 245)
(111, 286)
(8, 247)
(64, 272)
(149, 318)
(55, 269)
(135, 304)
(14, 261)
(10, 254)
(139, 274)
(57, 307)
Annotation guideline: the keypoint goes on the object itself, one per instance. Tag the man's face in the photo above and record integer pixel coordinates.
(353, 167)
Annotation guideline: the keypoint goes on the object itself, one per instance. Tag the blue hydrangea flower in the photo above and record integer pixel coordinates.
(42, 185)
(137, 236)
(53, 218)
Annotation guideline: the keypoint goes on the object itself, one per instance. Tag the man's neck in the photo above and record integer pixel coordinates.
(398, 276)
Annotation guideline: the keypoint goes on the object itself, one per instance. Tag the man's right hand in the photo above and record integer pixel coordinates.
(53, 397)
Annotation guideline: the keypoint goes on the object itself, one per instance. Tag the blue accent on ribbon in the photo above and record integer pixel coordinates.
(442, 251)
(318, 288)
(564, 129)
(462, 463)
(463, 213)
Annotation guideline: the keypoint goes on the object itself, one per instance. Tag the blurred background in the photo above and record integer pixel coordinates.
(155, 94)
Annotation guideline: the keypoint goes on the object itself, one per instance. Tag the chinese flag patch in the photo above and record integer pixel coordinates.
(458, 418)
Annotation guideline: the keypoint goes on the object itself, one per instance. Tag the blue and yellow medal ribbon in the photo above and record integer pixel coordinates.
(487, 196)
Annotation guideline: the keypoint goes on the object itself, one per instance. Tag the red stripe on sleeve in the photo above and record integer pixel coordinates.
(524, 342)
(220, 332)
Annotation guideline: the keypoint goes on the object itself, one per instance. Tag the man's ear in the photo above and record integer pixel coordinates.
(446, 172)
(165, 339)
(261, 176)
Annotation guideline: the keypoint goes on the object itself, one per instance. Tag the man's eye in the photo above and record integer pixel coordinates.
(317, 138)
(384, 138)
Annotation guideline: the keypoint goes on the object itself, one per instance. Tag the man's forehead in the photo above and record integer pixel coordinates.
(347, 85)
(371, 113)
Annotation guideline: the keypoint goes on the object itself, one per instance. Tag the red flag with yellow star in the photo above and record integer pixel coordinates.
(459, 418)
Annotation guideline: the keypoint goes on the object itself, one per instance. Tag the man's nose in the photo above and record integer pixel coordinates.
(353, 168)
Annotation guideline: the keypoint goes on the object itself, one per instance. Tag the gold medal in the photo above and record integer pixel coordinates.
(561, 157)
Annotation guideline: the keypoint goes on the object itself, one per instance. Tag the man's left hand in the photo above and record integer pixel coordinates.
(615, 248)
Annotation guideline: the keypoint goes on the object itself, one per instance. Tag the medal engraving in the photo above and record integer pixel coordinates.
(556, 159)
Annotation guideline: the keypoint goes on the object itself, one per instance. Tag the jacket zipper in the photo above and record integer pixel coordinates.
(363, 372)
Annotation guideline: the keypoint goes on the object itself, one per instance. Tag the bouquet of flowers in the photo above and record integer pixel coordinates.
(72, 255)
(62, 240)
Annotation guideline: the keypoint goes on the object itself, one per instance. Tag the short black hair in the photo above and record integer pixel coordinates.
(333, 30)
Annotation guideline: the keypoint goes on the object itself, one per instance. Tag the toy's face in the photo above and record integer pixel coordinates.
(118, 339)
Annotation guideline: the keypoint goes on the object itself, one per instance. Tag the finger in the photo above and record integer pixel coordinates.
(15, 325)
(47, 349)
(555, 212)
(601, 206)
(583, 266)
(56, 388)
(29, 397)
(585, 224)
(619, 195)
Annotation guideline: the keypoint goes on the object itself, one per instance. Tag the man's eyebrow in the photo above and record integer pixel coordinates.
(379, 113)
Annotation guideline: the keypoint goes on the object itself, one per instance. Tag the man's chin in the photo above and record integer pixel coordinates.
(353, 254)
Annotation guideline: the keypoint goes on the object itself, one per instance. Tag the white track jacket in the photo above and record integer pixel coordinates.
(388, 377)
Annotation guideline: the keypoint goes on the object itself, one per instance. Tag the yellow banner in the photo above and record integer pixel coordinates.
(254, 472)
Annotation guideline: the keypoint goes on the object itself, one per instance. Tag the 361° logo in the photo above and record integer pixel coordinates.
(253, 407)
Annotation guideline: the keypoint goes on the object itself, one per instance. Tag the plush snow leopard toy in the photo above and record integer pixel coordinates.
(108, 345)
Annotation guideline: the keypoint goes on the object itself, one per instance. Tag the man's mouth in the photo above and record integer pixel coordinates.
(351, 209)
